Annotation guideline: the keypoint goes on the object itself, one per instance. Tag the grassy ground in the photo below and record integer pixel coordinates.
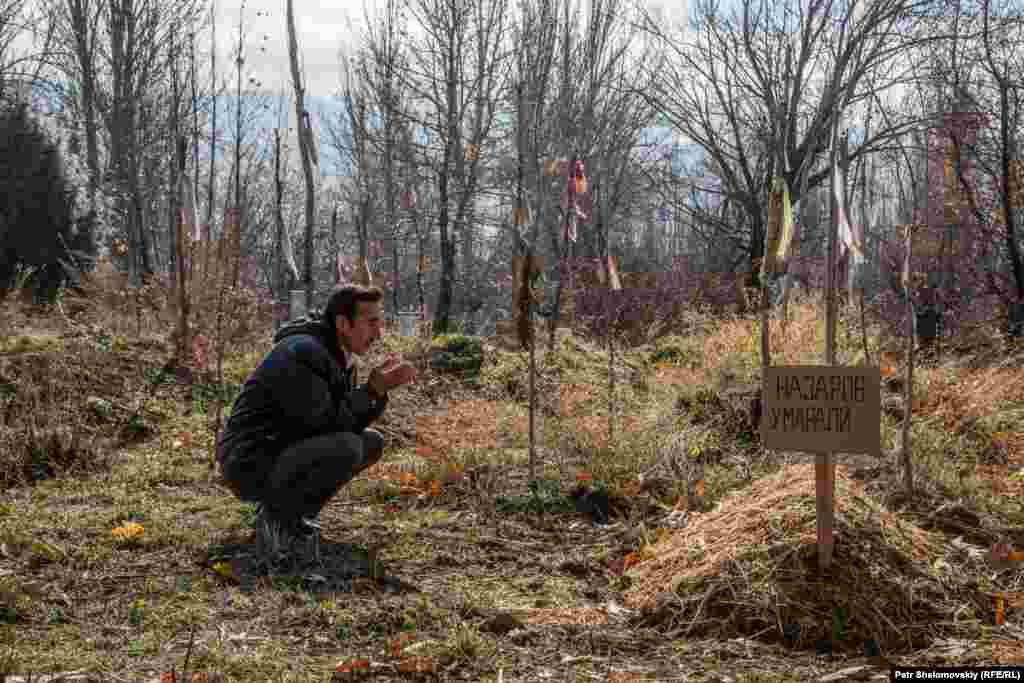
(470, 573)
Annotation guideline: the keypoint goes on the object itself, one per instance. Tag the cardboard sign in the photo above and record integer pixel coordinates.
(822, 409)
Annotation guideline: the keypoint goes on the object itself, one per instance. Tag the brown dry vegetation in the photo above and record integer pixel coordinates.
(483, 580)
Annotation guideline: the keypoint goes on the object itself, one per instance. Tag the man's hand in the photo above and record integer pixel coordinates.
(392, 374)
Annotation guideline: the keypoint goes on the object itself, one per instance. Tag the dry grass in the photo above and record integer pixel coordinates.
(493, 577)
(750, 568)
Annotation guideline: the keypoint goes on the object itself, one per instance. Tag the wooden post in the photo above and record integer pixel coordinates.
(824, 466)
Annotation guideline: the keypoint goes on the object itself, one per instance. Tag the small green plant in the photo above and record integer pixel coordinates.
(248, 513)
(104, 342)
(157, 376)
(136, 427)
(8, 614)
(287, 583)
(55, 615)
(205, 394)
(102, 407)
(377, 631)
(343, 630)
(545, 497)
(39, 462)
(8, 391)
(136, 648)
(840, 623)
(183, 584)
(463, 355)
(137, 612)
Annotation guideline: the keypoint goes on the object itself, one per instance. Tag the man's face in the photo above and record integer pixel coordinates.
(358, 336)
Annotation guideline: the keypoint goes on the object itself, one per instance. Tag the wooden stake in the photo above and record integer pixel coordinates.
(824, 483)
(824, 466)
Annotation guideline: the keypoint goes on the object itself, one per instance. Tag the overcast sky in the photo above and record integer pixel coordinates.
(322, 29)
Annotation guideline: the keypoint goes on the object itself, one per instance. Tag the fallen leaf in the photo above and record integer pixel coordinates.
(454, 473)
(435, 488)
(583, 477)
(1009, 653)
(400, 643)
(225, 570)
(128, 532)
(167, 677)
(351, 665)
(630, 560)
(416, 665)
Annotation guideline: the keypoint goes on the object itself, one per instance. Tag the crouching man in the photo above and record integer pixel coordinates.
(298, 431)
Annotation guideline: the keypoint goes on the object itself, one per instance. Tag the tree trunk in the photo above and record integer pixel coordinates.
(212, 181)
(389, 185)
(175, 200)
(1015, 308)
(85, 40)
(305, 135)
(284, 278)
(444, 299)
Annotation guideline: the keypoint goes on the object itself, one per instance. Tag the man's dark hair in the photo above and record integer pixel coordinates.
(345, 300)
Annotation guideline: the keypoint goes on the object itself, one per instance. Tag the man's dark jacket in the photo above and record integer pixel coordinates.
(300, 390)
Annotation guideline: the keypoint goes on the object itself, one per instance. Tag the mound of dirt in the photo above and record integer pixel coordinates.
(749, 569)
(67, 403)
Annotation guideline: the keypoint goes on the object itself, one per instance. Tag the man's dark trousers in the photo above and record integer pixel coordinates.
(309, 473)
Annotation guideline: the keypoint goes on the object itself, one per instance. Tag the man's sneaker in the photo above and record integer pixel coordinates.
(284, 541)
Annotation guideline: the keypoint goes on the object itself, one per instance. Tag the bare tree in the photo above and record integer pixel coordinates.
(348, 134)
(1003, 62)
(458, 72)
(600, 118)
(759, 89)
(286, 274)
(305, 136)
(383, 89)
(24, 67)
(77, 23)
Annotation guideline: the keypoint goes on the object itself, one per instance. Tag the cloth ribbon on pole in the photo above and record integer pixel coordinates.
(780, 228)
(576, 198)
(850, 238)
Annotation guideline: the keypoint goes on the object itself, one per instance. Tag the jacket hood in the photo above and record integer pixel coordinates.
(313, 324)
(316, 325)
